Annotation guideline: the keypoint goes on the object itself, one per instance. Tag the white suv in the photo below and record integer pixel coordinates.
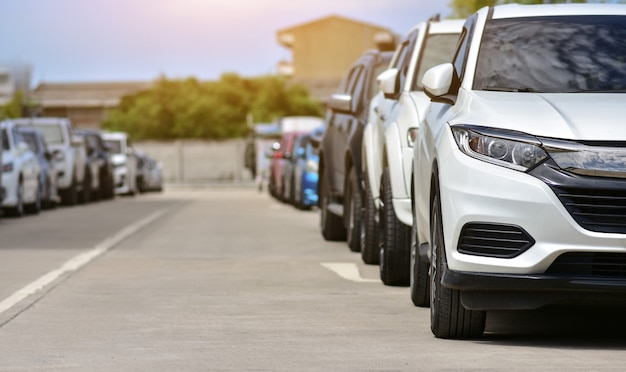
(124, 162)
(70, 155)
(520, 166)
(387, 146)
(20, 173)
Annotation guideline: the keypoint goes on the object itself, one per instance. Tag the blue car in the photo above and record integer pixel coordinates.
(305, 167)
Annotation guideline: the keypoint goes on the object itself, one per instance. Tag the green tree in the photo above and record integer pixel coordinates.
(13, 108)
(209, 110)
(465, 8)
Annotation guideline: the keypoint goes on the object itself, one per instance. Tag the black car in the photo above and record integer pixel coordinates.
(98, 152)
(48, 175)
(340, 184)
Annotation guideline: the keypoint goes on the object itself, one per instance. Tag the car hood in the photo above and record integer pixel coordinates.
(574, 116)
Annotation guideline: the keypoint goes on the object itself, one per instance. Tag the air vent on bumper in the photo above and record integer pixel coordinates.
(494, 240)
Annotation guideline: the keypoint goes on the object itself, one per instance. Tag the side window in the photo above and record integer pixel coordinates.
(356, 85)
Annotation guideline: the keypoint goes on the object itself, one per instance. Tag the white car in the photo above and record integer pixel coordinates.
(520, 166)
(387, 147)
(20, 173)
(124, 162)
(69, 153)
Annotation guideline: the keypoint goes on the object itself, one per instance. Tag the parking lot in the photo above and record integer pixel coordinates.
(230, 279)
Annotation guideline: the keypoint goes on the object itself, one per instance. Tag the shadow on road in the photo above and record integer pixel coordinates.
(559, 326)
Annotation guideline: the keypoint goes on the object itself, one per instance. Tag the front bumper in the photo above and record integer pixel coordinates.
(9, 186)
(122, 181)
(486, 291)
(473, 191)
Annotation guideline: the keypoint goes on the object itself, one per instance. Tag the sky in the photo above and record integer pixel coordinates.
(140, 40)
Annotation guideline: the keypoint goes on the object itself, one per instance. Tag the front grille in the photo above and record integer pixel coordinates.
(600, 210)
(494, 240)
(588, 264)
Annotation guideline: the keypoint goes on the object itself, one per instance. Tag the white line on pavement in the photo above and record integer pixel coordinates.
(77, 262)
(349, 271)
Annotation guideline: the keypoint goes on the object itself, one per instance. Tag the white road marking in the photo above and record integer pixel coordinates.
(349, 271)
(77, 262)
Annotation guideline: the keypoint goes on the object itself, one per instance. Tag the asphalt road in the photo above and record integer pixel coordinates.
(229, 279)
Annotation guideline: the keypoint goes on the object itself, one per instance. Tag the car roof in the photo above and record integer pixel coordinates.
(446, 26)
(542, 10)
(41, 120)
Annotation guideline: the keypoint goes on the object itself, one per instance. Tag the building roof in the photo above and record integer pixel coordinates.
(284, 37)
(85, 94)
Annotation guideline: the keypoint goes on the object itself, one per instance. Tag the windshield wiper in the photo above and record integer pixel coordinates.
(507, 89)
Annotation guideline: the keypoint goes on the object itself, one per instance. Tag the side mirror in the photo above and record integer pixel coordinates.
(438, 83)
(341, 103)
(107, 147)
(48, 155)
(387, 83)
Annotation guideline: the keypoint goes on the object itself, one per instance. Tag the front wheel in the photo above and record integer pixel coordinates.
(419, 284)
(448, 317)
(369, 233)
(330, 224)
(394, 239)
(354, 212)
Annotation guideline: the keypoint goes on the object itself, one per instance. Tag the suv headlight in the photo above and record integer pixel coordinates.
(505, 148)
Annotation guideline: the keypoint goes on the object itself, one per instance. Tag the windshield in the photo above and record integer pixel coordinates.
(31, 140)
(553, 54)
(53, 134)
(116, 146)
(439, 49)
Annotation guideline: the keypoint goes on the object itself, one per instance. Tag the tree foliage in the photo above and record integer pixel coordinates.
(208, 110)
(464, 8)
(13, 108)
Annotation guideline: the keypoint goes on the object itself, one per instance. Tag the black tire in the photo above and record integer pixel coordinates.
(330, 224)
(419, 281)
(353, 212)
(369, 230)
(85, 195)
(292, 190)
(70, 196)
(448, 317)
(394, 240)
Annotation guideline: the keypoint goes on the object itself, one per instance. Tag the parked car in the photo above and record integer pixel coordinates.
(265, 136)
(48, 173)
(388, 146)
(290, 127)
(340, 171)
(101, 164)
(20, 173)
(69, 153)
(520, 172)
(305, 168)
(124, 162)
(155, 174)
(143, 175)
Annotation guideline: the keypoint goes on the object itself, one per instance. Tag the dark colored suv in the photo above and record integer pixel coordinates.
(340, 184)
(98, 152)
